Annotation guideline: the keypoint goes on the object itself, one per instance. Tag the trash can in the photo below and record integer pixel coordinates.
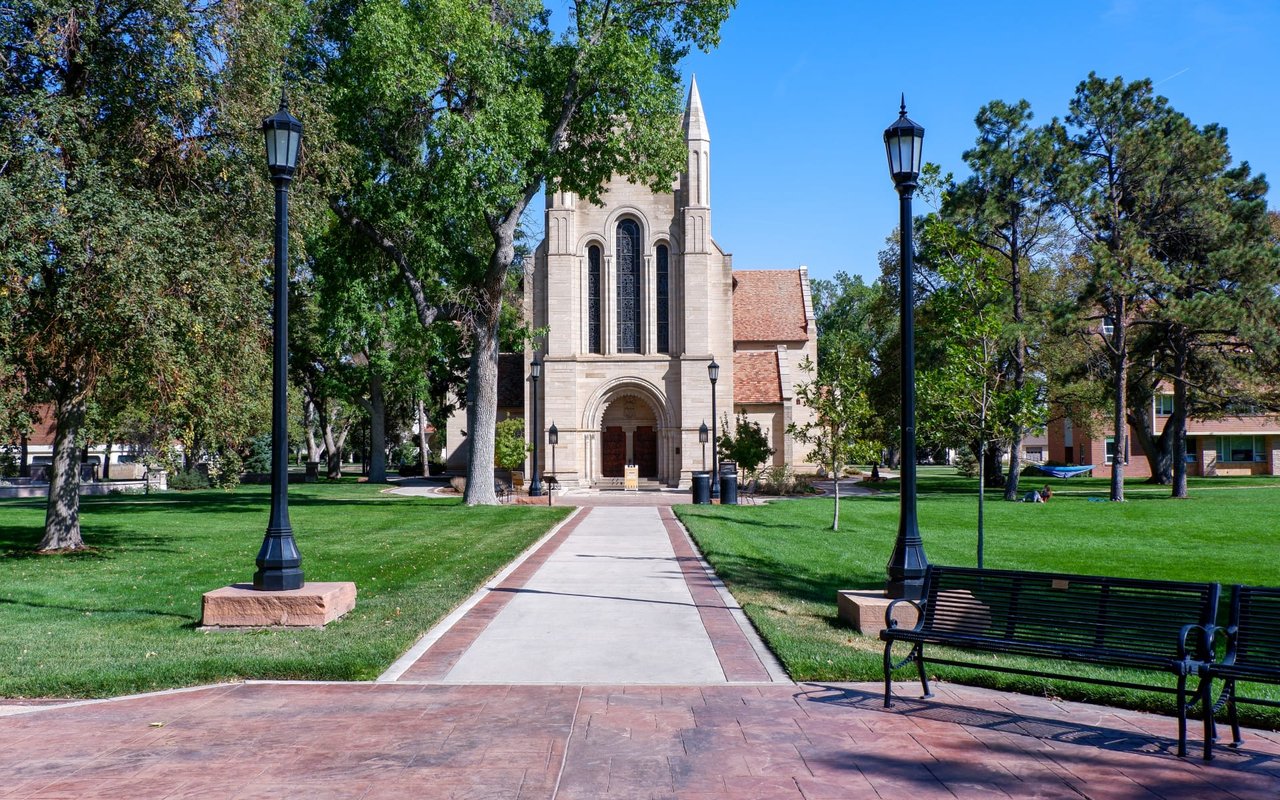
(701, 488)
(729, 489)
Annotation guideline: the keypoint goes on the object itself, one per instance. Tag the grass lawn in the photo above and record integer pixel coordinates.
(784, 563)
(122, 618)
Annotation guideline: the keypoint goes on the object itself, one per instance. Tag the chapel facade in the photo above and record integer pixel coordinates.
(637, 299)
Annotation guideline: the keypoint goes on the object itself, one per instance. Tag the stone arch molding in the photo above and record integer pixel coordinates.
(618, 388)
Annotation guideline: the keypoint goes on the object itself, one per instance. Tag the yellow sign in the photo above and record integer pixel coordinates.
(631, 478)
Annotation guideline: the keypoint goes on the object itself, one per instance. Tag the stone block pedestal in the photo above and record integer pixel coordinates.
(242, 606)
(863, 610)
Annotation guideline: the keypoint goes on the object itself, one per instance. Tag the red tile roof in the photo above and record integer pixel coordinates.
(756, 378)
(768, 306)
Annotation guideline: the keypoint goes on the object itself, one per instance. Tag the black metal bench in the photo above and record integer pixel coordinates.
(1160, 626)
(1252, 655)
(502, 489)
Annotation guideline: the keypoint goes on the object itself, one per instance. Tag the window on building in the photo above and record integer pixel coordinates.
(593, 299)
(628, 263)
(1190, 456)
(1164, 404)
(1108, 326)
(664, 302)
(1240, 448)
(1111, 450)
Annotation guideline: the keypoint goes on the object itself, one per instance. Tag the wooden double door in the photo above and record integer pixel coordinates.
(613, 451)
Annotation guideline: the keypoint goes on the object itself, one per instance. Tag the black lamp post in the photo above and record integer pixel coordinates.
(702, 437)
(902, 141)
(535, 372)
(279, 562)
(713, 372)
(553, 439)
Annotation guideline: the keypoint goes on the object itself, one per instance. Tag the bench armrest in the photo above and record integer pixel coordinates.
(890, 622)
(1207, 634)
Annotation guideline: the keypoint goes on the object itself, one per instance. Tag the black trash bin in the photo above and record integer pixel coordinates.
(729, 489)
(701, 488)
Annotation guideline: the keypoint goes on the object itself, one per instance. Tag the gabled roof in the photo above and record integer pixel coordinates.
(756, 378)
(769, 305)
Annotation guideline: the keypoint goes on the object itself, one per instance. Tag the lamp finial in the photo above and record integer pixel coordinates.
(903, 111)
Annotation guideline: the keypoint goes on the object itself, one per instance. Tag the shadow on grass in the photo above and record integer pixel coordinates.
(96, 610)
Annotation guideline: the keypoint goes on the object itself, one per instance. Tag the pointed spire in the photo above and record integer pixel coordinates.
(695, 121)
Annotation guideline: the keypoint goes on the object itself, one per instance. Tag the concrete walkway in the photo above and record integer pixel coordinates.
(615, 595)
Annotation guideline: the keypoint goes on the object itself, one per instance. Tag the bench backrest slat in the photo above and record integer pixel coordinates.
(1256, 610)
(1080, 611)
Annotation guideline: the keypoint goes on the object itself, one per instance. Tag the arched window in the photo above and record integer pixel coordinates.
(628, 262)
(593, 299)
(664, 302)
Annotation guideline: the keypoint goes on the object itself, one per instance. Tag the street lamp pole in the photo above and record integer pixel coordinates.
(535, 372)
(553, 439)
(713, 372)
(903, 141)
(279, 562)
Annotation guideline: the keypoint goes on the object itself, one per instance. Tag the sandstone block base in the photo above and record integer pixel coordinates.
(863, 610)
(242, 606)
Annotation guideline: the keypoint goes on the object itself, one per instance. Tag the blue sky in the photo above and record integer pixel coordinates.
(799, 92)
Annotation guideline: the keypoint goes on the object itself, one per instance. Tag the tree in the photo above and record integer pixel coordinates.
(120, 207)
(837, 393)
(1008, 206)
(747, 446)
(969, 396)
(463, 112)
(1112, 193)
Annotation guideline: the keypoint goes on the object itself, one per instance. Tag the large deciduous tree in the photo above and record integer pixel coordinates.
(109, 185)
(463, 111)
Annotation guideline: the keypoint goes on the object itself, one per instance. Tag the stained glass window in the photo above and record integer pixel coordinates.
(593, 299)
(664, 304)
(628, 286)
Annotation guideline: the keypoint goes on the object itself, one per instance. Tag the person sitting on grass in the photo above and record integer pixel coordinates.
(1038, 495)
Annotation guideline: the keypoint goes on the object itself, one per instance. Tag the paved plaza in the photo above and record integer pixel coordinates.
(607, 662)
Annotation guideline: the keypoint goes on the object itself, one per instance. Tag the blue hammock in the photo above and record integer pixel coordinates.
(1064, 472)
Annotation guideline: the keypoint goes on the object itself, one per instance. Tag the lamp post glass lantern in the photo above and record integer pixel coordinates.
(903, 141)
(279, 562)
(703, 433)
(535, 372)
(713, 372)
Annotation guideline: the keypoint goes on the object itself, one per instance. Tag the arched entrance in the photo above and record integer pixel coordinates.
(629, 435)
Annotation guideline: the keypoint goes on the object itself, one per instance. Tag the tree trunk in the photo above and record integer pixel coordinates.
(991, 458)
(1178, 420)
(377, 430)
(1019, 372)
(106, 463)
(62, 514)
(1157, 449)
(482, 413)
(982, 496)
(24, 457)
(313, 444)
(1120, 383)
(422, 437)
(835, 481)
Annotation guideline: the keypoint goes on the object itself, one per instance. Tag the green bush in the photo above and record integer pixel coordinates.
(259, 459)
(508, 443)
(188, 480)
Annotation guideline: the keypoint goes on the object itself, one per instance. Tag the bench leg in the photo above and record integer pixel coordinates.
(1182, 715)
(1236, 738)
(888, 672)
(924, 675)
(1205, 692)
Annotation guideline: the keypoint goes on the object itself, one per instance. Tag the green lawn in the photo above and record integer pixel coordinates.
(123, 617)
(784, 563)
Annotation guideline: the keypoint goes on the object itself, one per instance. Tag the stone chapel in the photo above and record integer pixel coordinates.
(637, 298)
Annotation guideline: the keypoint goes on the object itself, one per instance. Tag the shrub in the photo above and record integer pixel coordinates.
(188, 480)
(967, 463)
(508, 443)
(259, 459)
